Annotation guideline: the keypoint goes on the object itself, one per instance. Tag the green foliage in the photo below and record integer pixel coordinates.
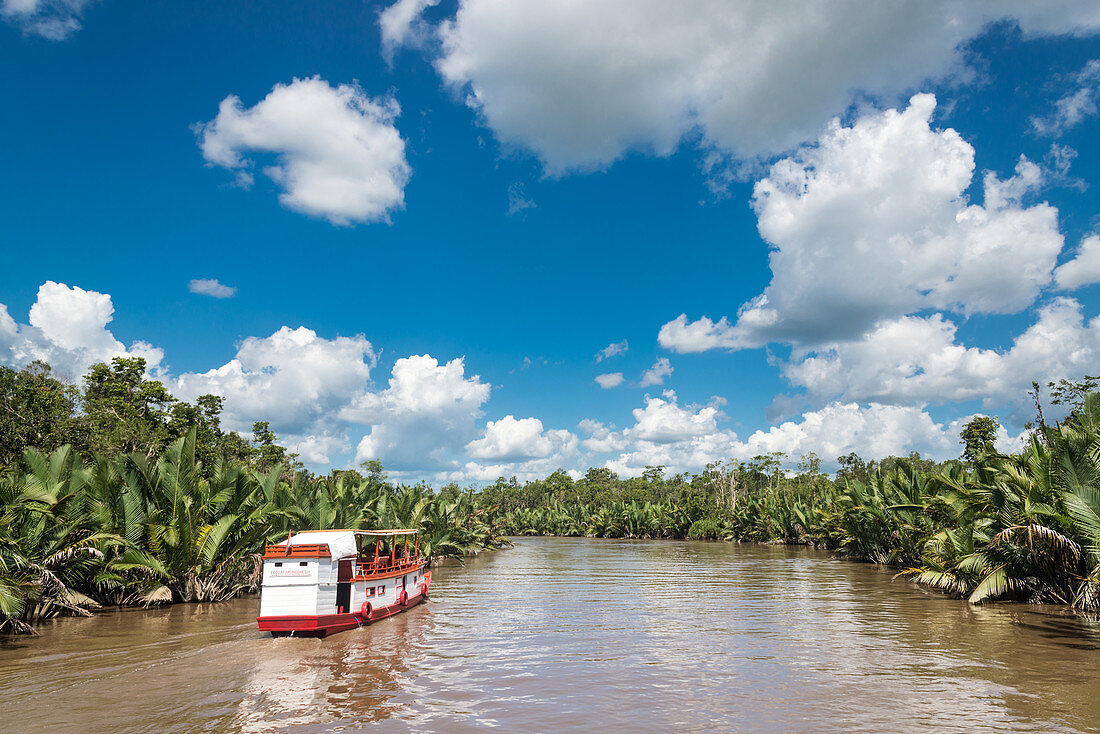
(120, 494)
(267, 452)
(124, 411)
(36, 411)
(120, 411)
(1072, 393)
(137, 530)
(705, 529)
(979, 437)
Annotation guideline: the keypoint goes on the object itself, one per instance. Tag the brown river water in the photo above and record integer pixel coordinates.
(578, 635)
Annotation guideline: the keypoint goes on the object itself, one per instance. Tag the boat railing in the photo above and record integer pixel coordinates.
(282, 550)
(384, 564)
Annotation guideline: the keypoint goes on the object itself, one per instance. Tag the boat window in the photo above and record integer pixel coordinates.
(381, 589)
(278, 563)
(370, 591)
(303, 563)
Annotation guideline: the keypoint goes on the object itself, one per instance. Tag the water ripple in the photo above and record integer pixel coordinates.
(578, 634)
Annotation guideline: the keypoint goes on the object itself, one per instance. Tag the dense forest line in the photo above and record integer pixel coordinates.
(115, 493)
(986, 526)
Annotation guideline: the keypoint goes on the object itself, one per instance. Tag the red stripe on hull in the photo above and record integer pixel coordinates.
(304, 625)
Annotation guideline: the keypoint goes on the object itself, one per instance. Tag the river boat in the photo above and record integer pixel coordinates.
(323, 581)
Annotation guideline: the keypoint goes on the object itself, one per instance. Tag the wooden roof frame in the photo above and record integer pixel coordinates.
(374, 533)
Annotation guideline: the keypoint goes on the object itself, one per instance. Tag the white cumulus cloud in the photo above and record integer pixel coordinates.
(318, 395)
(580, 84)
(602, 439)
(317, 450)
(338, 154)
(841, 428)
(872, 222)
(686, 337)
(294, 378)
(424, 417)
(612, 350)
(873, 430)
(211, 287)
(1072, 108)
(656, 374)
(688, 437)
(917, 360)
(55, 20)
(609, 380)
(316, 392)
(665, 433)
(692, 440)
(401, 25)
(1083, 269)
(510, 440)
(68, 329)
(664, 420)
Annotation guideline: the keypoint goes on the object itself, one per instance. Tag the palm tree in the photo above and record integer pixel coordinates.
(47, 551)
(206, 534)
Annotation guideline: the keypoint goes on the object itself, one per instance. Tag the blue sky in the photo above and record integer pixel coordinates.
(518, 187)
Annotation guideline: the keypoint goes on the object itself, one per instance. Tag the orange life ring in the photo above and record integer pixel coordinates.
(366, 610)
(423, 588)
(404, 598)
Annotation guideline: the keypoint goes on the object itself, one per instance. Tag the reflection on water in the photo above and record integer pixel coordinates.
(299, 682)
(577, 634)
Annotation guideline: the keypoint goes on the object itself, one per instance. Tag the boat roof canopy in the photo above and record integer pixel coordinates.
(341, 543)
(387, 532)
(404, 531)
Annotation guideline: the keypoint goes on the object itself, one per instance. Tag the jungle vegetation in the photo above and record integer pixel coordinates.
(987, 526)
(115, 493)
(118, 494)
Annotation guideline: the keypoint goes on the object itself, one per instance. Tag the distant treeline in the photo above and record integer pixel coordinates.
(986, 526)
